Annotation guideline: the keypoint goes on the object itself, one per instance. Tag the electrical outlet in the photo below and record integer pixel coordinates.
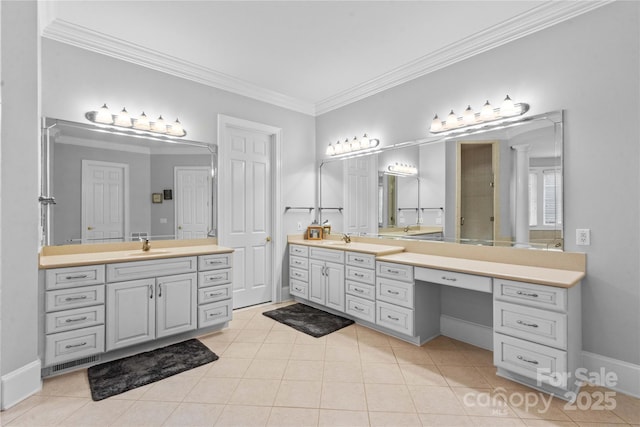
(438, 221)
(583, 236)
(299, 226)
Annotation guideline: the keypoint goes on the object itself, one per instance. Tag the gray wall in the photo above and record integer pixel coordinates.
(589, 67)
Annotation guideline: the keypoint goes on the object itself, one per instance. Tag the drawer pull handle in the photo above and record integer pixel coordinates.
(215, 278)
(524, 359)
(527, 294)
(390, 271)
(77, 319)
(355, 307)
(159, 290)
(298, 289)
(150, 291)
(79, 276)
(358, 274)
(82, 344)
(215, 261)
(358, 259)
(393, 318)
(451, 279)
(389, 291)
(217, 313)
(78, 298)
(358, 290)
(214, 294)
(532, 325)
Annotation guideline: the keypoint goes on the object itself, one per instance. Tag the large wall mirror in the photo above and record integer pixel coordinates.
(498, 185)
(112, 186)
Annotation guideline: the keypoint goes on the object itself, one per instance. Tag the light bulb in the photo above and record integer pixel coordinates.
(176, 129)
(142, 122)
(355, 144)
(103, 115)
(346, 146)
(507, 108)
(452, 120)
(364, 141)
(469, 117)
(436, 124)
(159, 126)
(123, 119)
(330, 150)
(338, 148)
(487, 112)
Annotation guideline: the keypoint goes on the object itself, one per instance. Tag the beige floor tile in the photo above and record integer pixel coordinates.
(338, 418)
(350, 372)
(293, 417)
(277, 336)
(370, 354)
(238, 324)
(228, 367)
(243, 416)
(20, 408)
(548, 423)
(218, 347)
(72, 384)
(440, 343)
(307, 352)
(479, 357)
(274, 351)
(496, 422)
(101, 413)
(406, 355)
(389, 398)
(225, 335)
(495, 381)
(302, 338)
(373, 338)
(463, 376)
(304, 370)
(448, 357)
(260, 322)
(440, 420)
(146, 414)
(194, 415)
(255, 392)
(382, 373)
(245, 313)
(341, 340)
(483, 402)
(627, 407)
(422, 375)
(266, 369)
(349, 396)
(252, 335)
(50, 411)
(594, 416)
(212, 390)
(246, 350)
(398, 343)
(172, 389)
(342, 354)
(536, 405)
(394, 419)
(435, 400)
(299, 394)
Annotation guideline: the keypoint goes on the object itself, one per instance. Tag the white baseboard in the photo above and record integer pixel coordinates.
(628, 374)
(20, 384)
(469, 332)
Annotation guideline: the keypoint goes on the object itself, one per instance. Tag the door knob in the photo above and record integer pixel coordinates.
(179, 227)
(89, 228)
(268, 239)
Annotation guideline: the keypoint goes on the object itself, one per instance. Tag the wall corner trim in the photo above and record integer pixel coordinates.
(20, 384)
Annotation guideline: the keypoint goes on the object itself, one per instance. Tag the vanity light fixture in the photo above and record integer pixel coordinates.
(355, 146)
(402, 169)
(487, 114)
(139, 124)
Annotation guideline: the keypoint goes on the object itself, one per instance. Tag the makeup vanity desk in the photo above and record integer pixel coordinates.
(536, 300)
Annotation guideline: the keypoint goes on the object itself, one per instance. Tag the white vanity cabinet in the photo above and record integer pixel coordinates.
(360, 286)
(537, 334)
(215, 290)
(326, 277)
(150, 306)
(74, 319)
(299, 271)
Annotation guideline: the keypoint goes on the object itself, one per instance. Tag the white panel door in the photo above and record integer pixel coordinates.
(246, 210)
(131, 313)
(193, 210)
(105, 189)
(361, 195)
(176, 304)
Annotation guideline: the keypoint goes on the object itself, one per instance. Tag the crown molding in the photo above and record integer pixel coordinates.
(94, 41)
(536, 19)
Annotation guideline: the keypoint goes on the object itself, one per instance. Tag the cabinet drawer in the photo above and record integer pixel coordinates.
(361, 290)
(298, 274)
(64, 299)
(214, 313)
(214, 277)
(533, 324)
(67, 320)
(395, 292)
(395, 271)
(327, 255)
(299, 262)
(393, 317)
(298, 250)
(360, 308)
(299, 289)
(153, 268)
(215, 261)
(455, 279)
(542, 296)
(360, 274)
(74, 276)
(215, 293)
(360, 260)
(542, 363)
(75, 344)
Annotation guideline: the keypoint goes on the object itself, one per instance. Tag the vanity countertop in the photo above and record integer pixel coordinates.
(539, 275)
(77, 255)
(367, 248)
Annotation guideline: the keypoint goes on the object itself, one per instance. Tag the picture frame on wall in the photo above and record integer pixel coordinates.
(156, 197)
(314, 232)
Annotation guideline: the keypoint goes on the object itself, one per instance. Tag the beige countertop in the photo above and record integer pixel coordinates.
(523, 273)
(367, 248)
(77, 255)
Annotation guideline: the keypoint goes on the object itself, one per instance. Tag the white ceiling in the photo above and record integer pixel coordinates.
(310, 56)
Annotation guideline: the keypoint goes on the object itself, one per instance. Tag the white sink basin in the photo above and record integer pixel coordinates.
(148, 253)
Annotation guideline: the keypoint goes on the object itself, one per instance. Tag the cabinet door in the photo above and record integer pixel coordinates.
(335, 286)
(316, 281)
(131, 308)
(176, 304)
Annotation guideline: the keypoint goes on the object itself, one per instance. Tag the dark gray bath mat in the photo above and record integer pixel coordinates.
(309, 320)
(118, 376)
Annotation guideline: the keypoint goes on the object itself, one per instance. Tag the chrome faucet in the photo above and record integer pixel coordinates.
(406, 229)
(346, 238)
(146, 245)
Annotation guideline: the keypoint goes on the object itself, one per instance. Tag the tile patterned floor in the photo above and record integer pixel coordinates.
(271, 375)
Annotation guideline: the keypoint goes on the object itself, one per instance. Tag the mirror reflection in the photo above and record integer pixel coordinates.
(500, 186)
(116, 187)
